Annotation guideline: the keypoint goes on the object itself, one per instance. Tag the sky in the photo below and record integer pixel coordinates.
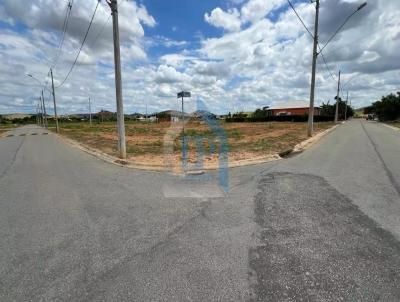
(235, 55)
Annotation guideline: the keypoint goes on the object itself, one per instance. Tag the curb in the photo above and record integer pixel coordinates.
(299, 148)
(391, 127)
(304, 145)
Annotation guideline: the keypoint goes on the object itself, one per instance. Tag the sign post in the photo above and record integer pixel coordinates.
(182, 95)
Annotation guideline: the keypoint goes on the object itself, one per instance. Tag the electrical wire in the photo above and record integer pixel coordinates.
(100, 31)
(343, 24)
(80, 49)
(65, 27)
(301, 20)
(326, 65)
(309, 32)
(349, 80)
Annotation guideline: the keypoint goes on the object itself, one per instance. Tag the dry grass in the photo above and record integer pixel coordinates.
(395, 124)
(6, 127)
(146, 141)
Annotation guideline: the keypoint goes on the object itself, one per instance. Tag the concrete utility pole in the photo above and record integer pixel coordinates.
(37, 114)
(118, 85)
(45, 113)
(314, 66)
(54, 101)
(90, 113)
(337, 100)
(345, 112)
(41, 110)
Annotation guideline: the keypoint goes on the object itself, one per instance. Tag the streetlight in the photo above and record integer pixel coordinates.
(316, 53)
(52, 92)
(43, 105)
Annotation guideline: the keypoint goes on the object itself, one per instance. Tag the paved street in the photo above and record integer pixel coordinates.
(320, 226)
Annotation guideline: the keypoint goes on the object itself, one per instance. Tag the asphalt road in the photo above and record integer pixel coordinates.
(321, 226)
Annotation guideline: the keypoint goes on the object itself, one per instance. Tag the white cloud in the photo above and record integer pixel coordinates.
(255, 10)
(257, 62)
(168, 74)
(229, 21)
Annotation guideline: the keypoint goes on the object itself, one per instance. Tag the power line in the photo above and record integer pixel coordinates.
(301, 20)
(65, 27)
(326, 64)
(80, 49)
(101, 31)
(343, 24)
(312, 36)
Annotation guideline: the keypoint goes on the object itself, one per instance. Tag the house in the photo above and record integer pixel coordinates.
(292, 108)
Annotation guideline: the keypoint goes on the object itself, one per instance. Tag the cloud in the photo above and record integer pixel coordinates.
(254, 10)
(229, 21)
(168, 74)
(261, 57)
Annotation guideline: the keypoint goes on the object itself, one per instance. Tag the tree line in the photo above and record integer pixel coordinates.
(387, 109)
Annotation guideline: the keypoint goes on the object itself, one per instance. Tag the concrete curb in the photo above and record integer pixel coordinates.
(391, 127)
(158, 168)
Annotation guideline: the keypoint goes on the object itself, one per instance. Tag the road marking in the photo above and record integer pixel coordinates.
(25, 134)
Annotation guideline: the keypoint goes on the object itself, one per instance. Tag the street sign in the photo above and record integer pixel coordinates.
(184, 94)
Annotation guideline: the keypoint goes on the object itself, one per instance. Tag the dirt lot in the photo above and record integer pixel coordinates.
(5, 128)
(147, 142)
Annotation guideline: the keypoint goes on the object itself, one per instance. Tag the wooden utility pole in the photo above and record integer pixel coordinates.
(44, 111)
(345, 112)
(54, 101)
(118, 82)
(337, 100)
(310, 127)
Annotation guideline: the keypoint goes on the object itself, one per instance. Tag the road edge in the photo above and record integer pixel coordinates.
(391, 127)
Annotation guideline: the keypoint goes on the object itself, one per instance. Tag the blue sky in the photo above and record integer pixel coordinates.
(236, 55)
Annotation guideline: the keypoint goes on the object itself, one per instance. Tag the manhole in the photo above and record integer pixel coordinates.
(45, 133)
(10, 135)
(33, 133)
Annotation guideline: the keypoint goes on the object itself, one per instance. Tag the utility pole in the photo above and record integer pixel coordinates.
(314, 66)
(90, 113)
(337, 100)
(45, 113)
(41, 110)
(54, 101)
(118, 85)
(183, 126)
(37, 114)
(345, 112)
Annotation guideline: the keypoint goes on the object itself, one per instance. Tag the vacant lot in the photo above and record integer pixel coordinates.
(146, 142)
(6, 127)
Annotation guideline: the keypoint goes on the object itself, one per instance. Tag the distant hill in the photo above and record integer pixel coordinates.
(14, 116)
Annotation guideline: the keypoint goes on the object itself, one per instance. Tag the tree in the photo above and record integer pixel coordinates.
(388, 108)
(329, 110)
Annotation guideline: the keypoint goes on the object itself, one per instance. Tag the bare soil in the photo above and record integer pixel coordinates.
(147, 142)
